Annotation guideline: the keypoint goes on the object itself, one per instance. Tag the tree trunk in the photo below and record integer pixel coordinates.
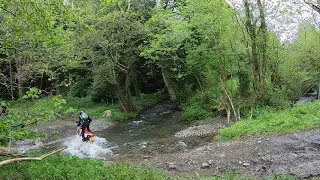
(11, 81)
(255, 67)
(169, 85)
(274, 69)
(128, 96)
(135, 84)
(263, 47)
(121, 100)
(19, 79)
(124, 95)
(251, 28)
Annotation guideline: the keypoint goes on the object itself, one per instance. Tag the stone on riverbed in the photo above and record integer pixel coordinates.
(201, 130)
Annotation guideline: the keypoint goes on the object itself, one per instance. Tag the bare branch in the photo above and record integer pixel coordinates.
(10, 161)
(313, 6)
(13, 14)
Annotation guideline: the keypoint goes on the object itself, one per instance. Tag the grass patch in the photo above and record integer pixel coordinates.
(71, 106)
(289, 120)
(69, 167)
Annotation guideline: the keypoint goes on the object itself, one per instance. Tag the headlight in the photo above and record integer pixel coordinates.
(91, 139)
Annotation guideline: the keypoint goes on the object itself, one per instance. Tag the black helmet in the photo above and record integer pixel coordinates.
(84, 116)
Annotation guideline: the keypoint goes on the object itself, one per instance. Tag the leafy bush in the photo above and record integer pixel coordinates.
(81, 88)
(195, 112)
(297, 118)
(101, 90)
(279, 99)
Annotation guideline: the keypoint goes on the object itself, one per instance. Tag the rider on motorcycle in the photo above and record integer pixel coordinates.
(85, 121)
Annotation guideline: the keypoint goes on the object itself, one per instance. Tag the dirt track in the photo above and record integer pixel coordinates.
(296, 154)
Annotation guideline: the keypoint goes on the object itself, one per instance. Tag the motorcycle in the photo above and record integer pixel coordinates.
(88, 136)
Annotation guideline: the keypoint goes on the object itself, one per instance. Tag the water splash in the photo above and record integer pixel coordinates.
(99, 149)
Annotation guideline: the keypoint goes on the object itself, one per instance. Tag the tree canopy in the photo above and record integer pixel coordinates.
(203, 53)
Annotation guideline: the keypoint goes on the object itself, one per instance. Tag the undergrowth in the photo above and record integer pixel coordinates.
(300, 117)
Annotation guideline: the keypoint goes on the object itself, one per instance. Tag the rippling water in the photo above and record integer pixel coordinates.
(99, 149)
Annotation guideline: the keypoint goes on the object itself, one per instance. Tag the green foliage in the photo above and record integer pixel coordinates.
(23, 114)
(279, 99)
(195, 112)
(300, 67)
(200, 106)
(289, 120)
(81, 88)
(68, 167)
(33, 93)
(101, 90)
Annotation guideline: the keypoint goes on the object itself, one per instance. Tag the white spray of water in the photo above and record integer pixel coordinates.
(95, 150)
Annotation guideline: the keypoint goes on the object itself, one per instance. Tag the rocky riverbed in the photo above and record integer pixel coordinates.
(296, 154)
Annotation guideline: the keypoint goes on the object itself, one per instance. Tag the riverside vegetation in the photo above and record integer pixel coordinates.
(210, 57)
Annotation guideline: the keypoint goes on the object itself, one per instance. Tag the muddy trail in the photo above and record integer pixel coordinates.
(295, 154)
(160, 139)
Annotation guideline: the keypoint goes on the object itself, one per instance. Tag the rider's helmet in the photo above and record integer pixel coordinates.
(84, 116)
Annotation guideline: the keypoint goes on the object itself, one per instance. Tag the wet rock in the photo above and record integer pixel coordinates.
(200, 131)
(205, 165)
(172, 166)
(134, 123)
(38, 142)
(243, 163)
(181, 145)
(222, 126)
(166, 112)
(143, 145)
(246, 164)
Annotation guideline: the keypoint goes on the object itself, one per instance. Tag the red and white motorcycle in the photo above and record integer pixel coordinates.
(88, 136)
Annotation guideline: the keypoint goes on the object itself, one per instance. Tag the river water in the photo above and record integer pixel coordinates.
(152, 132)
